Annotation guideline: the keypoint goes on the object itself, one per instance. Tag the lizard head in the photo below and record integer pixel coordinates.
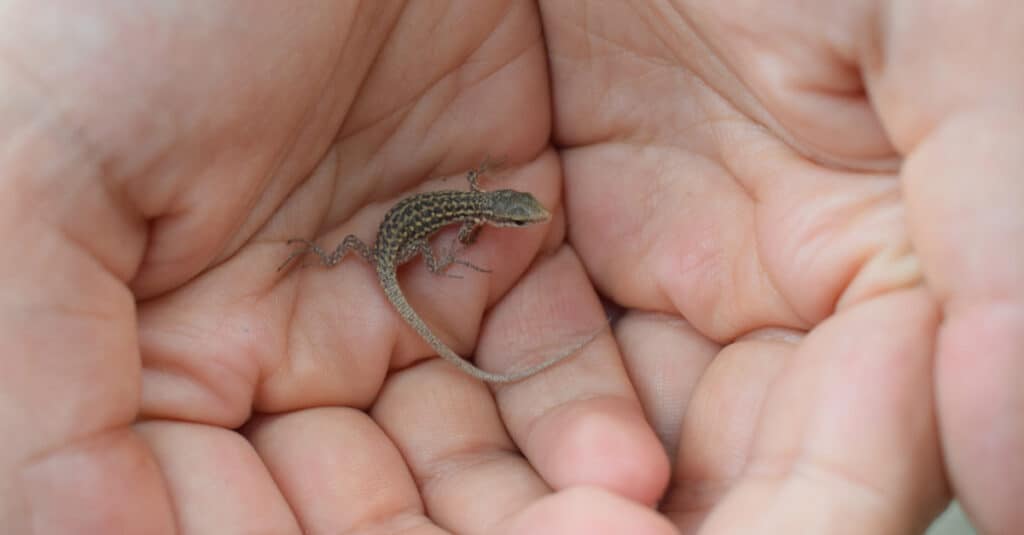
(510, 208)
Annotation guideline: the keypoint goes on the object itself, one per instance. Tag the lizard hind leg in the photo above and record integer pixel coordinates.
(307, 247)
(351, 242)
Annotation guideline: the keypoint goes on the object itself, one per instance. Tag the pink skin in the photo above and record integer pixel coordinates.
(810, 214)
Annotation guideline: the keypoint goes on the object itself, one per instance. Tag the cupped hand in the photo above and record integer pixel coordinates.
(811, 212)
(162, 376)
(727, 182)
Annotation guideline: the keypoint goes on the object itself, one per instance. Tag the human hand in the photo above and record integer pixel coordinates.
(157, 159)
(782, 178)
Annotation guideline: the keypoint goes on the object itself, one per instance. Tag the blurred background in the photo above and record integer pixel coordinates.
(952, 522)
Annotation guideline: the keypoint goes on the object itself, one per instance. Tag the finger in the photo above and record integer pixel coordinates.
(967, 230)
(461, 460)
(572, 426)
(849, 426)
(963, 188)
(666, 358)
(588, 511)
(579, 423)
(716, 433)
(216, 481)
(338, 472)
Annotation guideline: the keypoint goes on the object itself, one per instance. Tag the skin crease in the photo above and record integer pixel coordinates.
(806, 213)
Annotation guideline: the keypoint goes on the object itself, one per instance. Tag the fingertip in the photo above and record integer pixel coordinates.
(980, 402)
(603, 442)
(580, 422)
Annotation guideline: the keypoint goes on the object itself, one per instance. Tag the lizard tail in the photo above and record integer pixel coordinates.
(389, 281)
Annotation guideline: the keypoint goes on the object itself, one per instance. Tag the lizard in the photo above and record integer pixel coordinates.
(404, 233)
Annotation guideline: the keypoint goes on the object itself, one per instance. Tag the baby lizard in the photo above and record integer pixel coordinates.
(405, 232)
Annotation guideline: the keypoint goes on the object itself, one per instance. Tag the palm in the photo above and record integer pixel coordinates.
(795, 276)
(311, 350)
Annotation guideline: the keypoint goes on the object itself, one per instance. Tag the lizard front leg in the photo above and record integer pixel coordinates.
(439, 265)
(469, 231)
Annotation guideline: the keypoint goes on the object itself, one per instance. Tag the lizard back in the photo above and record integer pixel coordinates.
(414, 219)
